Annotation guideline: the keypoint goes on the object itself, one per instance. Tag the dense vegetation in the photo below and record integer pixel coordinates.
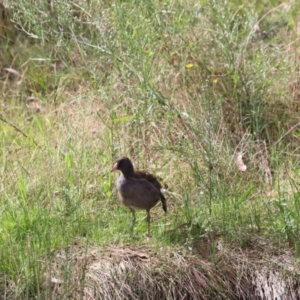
(205, 94)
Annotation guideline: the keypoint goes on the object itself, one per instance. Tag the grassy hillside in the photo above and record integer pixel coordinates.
(205, 94)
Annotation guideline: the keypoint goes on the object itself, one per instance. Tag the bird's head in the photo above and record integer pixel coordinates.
(124, 165)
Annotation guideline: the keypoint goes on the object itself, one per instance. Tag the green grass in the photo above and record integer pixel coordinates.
(181, 87)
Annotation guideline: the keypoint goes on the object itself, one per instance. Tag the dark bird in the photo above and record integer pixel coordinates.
(138, 189)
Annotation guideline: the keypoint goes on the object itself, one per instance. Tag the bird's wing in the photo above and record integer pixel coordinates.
(152, 179)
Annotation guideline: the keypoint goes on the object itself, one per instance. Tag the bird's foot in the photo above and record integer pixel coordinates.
(135, 237)
(148, 236)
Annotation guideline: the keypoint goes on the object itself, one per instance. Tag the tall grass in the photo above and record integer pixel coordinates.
(180, 87)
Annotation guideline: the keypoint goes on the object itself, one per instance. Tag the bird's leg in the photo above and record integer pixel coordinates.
(148, 221)
(133, 219)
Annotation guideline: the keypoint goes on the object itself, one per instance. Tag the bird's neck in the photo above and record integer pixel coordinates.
(128, 173)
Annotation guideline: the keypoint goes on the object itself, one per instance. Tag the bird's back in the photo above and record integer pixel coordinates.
(152, 179)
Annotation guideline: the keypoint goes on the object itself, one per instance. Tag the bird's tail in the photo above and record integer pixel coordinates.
(163, 202)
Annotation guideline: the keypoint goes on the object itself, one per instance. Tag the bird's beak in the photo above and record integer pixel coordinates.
(115, 167)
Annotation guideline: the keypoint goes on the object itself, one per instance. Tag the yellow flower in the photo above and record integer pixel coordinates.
(189, 65)
(215, 80)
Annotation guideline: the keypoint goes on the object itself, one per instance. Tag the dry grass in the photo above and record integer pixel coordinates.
(128, 272)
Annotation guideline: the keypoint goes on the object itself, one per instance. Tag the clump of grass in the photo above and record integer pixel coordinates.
(118, 272)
